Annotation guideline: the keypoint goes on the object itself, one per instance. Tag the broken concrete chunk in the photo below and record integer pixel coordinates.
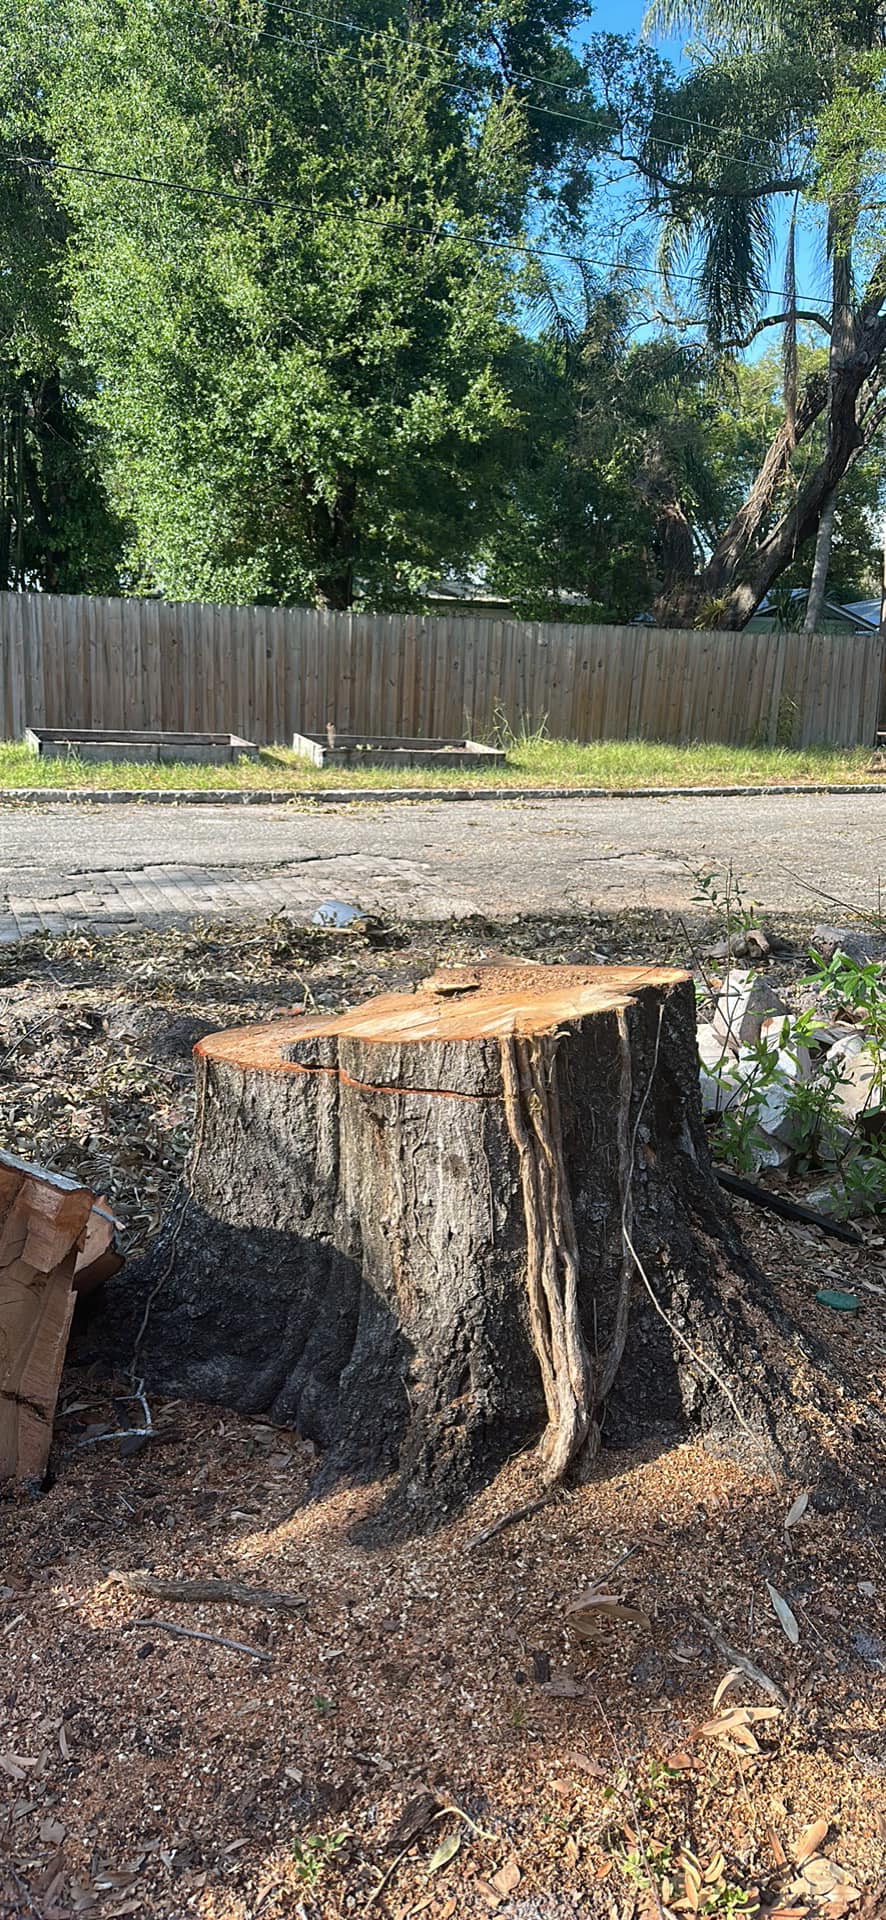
(727, 1079)
(744, 1003)
(711, 1047)
(781, 1034)
(855, 1090)
(828, 1034)
(720, 1076)
(861, 944)
(833, 1199)
(337, 913)
(719, 1090)
(774, 1116)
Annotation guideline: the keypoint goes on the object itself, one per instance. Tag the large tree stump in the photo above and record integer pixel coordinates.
(444, 1223)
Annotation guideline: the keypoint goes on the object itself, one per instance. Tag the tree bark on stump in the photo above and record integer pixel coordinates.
(445, 1224)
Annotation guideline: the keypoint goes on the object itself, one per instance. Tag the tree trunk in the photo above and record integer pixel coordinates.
(819, 581)
(748, 559)
(883, 589)
(448, 1223)
(334, 535)
(685, 604)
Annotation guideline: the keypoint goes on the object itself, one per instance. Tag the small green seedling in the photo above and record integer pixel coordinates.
(313, 1853)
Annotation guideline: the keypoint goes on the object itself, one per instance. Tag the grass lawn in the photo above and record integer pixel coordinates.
(537, 762)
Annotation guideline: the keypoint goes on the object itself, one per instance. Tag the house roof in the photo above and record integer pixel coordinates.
(860, 615)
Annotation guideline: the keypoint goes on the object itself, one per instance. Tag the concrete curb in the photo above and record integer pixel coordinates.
(348, 796)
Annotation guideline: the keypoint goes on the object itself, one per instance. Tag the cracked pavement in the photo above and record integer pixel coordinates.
(68, 866)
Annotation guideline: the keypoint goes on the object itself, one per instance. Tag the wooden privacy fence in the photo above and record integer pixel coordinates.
(265, 672)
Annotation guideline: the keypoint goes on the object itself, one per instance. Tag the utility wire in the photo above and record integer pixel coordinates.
(589, 124)
(286, 10)
(536, 107)
(268, 204)
(584, 121)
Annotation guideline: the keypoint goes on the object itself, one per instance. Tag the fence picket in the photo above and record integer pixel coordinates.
(267, 672)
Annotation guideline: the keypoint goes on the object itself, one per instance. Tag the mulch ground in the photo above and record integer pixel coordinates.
(428, 1734)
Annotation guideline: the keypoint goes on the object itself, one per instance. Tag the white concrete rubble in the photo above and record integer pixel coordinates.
(744, 1002)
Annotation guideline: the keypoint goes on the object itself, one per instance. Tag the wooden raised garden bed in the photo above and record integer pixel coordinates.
(384, 750)
(143, 746)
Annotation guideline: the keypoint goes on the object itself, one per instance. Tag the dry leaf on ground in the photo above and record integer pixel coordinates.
(735, 1725)
(563, 1686)
(810, 1840)
(797, 1511)
(776, 1848)
(729, 1679)
(587, 1614)
(446, 1851)
(787, 1618)
(507, 1878)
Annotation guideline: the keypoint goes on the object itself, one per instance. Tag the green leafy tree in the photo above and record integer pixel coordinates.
(620, 483)
(302, 340)
(56, 529)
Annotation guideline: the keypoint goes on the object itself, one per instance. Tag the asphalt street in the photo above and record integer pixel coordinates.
(109, 866)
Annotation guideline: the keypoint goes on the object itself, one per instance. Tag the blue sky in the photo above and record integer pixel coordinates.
(626, 16)
(612, 17)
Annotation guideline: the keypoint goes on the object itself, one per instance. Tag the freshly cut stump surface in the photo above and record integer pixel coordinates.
(449, 1223)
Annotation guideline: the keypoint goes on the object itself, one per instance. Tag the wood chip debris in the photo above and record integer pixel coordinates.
(198, 1770)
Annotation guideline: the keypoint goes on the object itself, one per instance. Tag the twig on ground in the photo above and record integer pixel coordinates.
(511, 1518)
(113, 1433)
(232, 1592)
(833, 899)
(23, 1893)
(735, 1659)
(601, 1578)
(196, 1633)
(457, 1813)
(278, 1886)
(122, 1433)
(388, 1875)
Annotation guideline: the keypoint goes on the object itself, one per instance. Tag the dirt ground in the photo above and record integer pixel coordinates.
(427, 1734)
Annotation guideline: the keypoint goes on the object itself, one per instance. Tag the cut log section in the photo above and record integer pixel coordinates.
(98, 1259)
(46, 1224)
(445, 1223)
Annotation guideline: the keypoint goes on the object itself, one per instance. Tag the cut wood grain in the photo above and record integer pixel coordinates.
(43, 1226)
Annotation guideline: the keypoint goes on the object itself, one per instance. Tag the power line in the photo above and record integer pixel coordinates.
(269, 204)
(286, 9)
(584, 121)
(536, 107)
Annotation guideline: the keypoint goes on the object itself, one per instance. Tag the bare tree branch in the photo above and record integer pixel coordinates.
(777, 320)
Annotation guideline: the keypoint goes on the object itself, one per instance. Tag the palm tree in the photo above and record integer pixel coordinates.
(729, 154)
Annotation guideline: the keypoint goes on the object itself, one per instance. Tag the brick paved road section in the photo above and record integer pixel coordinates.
(63, 867)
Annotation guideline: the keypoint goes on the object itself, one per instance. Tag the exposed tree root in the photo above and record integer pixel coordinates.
(575, 1388)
